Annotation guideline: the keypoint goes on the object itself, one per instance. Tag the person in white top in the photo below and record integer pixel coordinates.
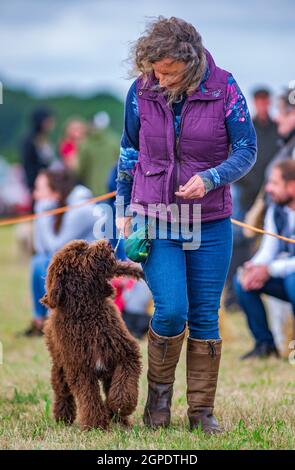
(272, 269)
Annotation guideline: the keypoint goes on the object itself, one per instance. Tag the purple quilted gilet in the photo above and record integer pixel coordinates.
(165, 162)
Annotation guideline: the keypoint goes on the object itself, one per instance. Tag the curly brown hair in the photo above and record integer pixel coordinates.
(170, 38)
(90, 347)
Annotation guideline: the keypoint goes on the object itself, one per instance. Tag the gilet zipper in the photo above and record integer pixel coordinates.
(177, 152)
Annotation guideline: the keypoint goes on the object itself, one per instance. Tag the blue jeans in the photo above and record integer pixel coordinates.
(39, 265)
(251, 303)
(120, 254)
(187, 284)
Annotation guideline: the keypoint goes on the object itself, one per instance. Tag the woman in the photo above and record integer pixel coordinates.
(182, 114)
(55, 188)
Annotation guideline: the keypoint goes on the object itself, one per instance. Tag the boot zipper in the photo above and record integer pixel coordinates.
(177, 161)
(165, 349)
(212, 349)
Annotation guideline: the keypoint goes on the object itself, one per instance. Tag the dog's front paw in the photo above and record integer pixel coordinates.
(125, 268)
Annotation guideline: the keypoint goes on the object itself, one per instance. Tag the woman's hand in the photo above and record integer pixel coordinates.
(193, 189)
(124, 224)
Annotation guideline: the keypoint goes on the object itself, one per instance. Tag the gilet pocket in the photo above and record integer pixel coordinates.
(148, 183)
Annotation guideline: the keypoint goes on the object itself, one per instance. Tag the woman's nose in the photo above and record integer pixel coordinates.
(161, 79)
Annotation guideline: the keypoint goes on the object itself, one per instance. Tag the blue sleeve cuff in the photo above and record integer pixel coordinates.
(208, 179)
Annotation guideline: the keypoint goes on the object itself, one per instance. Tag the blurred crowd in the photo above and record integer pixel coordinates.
(84, 164)
(261, 279)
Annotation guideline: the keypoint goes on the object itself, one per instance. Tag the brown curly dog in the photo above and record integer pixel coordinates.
(87, 338)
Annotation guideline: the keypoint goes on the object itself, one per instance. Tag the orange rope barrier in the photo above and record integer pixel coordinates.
(260, 230)
(103, 197)
(59, 210)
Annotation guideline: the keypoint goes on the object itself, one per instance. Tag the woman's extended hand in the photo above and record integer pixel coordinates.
(124, 224)
(194, 188)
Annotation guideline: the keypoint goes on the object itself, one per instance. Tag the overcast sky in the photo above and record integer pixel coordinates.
(79, 45)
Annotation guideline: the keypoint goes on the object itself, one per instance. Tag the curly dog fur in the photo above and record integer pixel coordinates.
(88, 341)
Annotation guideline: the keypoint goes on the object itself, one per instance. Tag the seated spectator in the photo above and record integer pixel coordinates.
(272, 269)
(55, 189)
(246, 190)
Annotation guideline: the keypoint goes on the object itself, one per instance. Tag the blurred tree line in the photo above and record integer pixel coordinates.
(18, 105)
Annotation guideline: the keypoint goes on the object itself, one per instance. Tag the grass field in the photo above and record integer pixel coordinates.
(255, 400)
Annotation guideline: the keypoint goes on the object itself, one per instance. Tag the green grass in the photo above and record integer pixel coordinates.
(255, 400)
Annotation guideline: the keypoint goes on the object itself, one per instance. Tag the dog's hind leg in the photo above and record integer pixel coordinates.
(92, 412)
(123, 392)
(115, 418)
(64, 407)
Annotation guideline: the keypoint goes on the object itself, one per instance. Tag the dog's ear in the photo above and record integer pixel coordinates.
(124, 268)
(55, 289)
(44, 300)
(56, 295)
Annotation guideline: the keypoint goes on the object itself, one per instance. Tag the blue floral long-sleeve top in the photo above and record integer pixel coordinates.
(240, 129)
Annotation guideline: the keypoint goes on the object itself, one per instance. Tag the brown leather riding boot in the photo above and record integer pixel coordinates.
(203, 358)
(163, 356)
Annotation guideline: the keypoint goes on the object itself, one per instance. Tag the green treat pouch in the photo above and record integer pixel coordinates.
(138, 244)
